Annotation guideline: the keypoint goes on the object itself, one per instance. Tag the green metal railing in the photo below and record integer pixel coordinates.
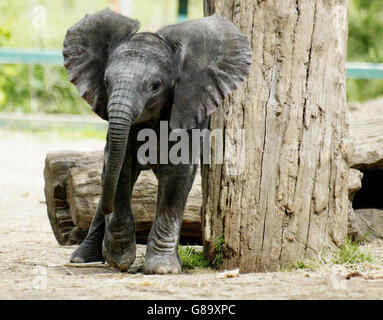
(182, 10)
(355, 70)
(30, 56)
(363, 70)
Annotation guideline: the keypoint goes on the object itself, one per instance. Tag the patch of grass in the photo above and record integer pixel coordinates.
(308, 265)
(219, 249)
(86, 132)
(192, 258)
(350, 253)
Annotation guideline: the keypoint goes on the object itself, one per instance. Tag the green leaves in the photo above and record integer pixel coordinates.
(37, 88)
(30, 88)
(365, 44)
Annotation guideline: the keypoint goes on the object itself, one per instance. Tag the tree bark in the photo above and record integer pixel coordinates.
(291, 199)
(73, 188)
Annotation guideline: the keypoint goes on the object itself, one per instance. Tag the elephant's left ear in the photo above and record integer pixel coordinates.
(85, 53)
(214, 57)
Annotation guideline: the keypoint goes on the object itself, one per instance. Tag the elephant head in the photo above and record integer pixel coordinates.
(126, 76)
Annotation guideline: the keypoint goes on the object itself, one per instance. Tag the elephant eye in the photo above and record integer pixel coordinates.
(154, 86)
(106, 84)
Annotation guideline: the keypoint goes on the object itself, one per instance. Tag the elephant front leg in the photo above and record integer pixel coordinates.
(174, 184)
(119, 244)
(90, 250)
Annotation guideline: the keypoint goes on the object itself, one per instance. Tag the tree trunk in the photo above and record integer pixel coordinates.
(73, 188)
(291, 198)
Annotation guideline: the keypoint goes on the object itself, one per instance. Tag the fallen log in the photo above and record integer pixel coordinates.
(73, 187)
(369, 223)
(57, 165)
(366, 206)
(367, 139)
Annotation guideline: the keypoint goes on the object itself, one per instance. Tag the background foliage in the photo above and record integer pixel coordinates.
(46, 89)
(365, 43)
(36, 88)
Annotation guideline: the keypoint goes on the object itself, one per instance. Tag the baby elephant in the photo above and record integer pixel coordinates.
(136, 81)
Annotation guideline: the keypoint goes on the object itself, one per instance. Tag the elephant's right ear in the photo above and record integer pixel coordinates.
(213, 57)
(85, 53)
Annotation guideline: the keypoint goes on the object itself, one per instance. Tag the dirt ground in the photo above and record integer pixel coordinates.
(33, 265)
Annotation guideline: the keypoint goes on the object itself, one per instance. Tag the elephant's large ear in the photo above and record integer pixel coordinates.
(214, 58)
(85, 53)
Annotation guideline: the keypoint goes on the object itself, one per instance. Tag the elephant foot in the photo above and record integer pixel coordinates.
(162, 264)
(88, 251)
(119, 245)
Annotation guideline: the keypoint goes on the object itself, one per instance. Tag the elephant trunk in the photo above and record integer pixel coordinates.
(121, 117)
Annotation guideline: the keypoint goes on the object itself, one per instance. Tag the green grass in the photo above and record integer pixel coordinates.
(192, 258)
(350, 255)
(308, 265)
(86, 132)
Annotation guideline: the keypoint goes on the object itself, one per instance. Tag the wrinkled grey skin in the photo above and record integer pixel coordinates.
(134, 81)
